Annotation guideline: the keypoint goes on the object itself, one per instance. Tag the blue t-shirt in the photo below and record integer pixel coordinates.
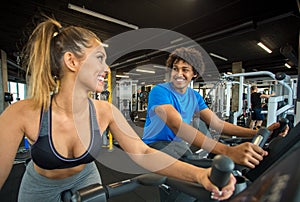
(186, 104)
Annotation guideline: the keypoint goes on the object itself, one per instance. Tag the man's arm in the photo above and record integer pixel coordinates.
(266, 95)
(214, 122)
(185, 131)
(246, 154)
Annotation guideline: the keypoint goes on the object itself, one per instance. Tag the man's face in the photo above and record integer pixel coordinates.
(181, 75)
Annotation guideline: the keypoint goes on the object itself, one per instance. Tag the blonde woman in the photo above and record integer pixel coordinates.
(63, 125)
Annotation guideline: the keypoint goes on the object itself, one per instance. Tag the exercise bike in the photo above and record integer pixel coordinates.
(221, 169)
(277, 178)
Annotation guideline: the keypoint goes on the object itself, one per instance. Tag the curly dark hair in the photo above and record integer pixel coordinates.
(189, 55)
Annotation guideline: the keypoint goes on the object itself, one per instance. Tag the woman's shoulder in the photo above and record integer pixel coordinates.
(102, 105)
(23, 107)
(104, 110)
(22, 114)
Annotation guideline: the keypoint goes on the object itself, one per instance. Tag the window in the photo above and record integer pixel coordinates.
(18, 90)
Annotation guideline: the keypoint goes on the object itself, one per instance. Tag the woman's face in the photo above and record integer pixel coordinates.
(93, 68)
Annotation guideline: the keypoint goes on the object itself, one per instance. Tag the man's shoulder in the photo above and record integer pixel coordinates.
(194, 93)
(161, 87)
(255, 93)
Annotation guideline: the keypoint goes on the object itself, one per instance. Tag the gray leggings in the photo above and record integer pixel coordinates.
(35, 187)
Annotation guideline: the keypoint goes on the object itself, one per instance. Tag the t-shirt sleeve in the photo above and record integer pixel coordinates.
(158, 96)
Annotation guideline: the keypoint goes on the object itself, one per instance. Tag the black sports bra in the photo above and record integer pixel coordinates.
(44, 154)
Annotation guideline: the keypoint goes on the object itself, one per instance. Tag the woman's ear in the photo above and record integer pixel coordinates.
(71, 61)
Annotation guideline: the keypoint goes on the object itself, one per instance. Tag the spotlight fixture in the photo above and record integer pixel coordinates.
(264, 47)
(160, 67)
(131, 73)
(101, 16)
(287, 65)
(145, 71)
(176, 40)
(218, 56)
(122, 76)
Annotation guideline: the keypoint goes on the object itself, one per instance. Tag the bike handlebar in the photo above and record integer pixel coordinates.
(221, 169)
(100, 193)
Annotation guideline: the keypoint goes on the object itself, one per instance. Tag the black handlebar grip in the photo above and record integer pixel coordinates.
(222, 167)
(261, 137)
(283, 123)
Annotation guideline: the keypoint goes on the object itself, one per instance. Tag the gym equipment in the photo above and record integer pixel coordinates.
(261, 137)
(283, 123)
(125, 97)
(280, 183)
(8, 97)
(262, 182)
(278, 149)
(222, 167)
(273, 111)
(221, 93)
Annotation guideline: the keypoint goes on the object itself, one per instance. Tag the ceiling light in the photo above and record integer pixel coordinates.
(218, 56)
(176, 40)
(160, 67)
(287, 65)
(122, 76)
(131, 73)
(145, 71)
(101, 16)
(264, 47)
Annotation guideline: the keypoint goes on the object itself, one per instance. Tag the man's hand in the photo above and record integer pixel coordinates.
(276, 125)
(247, 154)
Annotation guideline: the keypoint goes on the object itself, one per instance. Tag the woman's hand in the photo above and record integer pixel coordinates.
(217, 194)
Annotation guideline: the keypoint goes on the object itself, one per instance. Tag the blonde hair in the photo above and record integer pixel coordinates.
(43, 56)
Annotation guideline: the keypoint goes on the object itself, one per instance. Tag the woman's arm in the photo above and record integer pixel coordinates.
(11, 134)
(157, 161)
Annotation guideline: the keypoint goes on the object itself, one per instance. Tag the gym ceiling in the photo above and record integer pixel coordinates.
(229, 28)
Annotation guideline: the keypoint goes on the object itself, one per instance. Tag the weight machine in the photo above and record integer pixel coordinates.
(125, 90)
(273, 111)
